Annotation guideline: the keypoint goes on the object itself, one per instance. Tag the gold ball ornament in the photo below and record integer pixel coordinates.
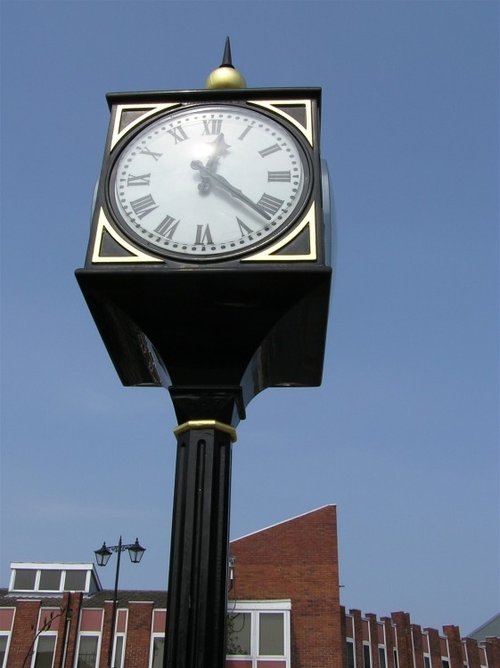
(225, 77)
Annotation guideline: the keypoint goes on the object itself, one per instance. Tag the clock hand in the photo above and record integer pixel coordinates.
(220, 147)
(228, 187)
(218, 150)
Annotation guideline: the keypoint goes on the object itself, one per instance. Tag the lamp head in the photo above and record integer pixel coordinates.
(136, 552)
(102, 556)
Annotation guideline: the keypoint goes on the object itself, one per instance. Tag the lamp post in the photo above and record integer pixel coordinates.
(102, 556)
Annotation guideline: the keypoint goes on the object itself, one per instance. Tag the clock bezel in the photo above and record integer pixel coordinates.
(233, 253)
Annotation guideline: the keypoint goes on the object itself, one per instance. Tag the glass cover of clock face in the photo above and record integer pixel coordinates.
(206, 182)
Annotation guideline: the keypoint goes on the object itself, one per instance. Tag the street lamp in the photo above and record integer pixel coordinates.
(135, 551)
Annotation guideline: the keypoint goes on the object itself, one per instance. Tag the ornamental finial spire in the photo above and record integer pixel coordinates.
(226, 76)
(227, 61)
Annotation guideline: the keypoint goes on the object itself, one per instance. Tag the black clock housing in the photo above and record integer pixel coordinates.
(228, 324)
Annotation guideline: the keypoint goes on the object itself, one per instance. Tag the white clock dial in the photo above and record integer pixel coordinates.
(211, 181)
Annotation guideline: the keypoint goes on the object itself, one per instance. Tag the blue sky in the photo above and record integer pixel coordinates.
(403, 435)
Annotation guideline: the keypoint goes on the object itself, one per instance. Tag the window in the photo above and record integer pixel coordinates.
(427, 662)
(258, 634)
(381, 657)
(157, 639)
(75, 581)
(54, 577)
(271, 634)
(258, 630)
(351, 661)
(50, 581)
(239, 634)
(4, 640)
(25, 579)
(157, 652)
(119, 638)
(87, 652)
(396, 662)
(118, 651)
(45, 649)
(367, 659)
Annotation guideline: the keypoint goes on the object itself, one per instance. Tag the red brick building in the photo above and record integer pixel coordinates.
(284, 612)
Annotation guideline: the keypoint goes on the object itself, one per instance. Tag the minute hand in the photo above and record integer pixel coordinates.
(225, 185)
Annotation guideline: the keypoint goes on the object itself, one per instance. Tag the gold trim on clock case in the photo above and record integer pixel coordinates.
(275, 106)
(269, 254)
(104, 227)
(210, 424)
(149, 110)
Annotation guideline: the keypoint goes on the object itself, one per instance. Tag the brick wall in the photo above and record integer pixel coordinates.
(294, 560)
(105, 659)
(140, 621)
(297, 560)
(23, 633)
(455, 646)
(74, 603)
(493, 651)
(412, 643)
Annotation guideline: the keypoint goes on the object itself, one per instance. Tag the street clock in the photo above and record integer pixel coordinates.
(208, 273)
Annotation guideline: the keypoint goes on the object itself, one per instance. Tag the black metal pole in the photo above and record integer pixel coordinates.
(197, 589)
(115, 600)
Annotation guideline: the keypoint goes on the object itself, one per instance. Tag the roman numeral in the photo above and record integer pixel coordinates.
(203, 235)
(142, 180)
(178, 134)
(270, 149)
(155, 156)
(245, 132)
(143, 205)
(167, 227)
(244, 229)
(269, 203)
(212, 127)
(279, 176)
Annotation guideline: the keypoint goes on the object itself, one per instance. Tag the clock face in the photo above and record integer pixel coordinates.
(209, 182)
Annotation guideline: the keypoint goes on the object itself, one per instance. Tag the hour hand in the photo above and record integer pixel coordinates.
(228, 187)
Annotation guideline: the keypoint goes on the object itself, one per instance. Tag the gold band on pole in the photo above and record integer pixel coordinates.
(210, 424)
